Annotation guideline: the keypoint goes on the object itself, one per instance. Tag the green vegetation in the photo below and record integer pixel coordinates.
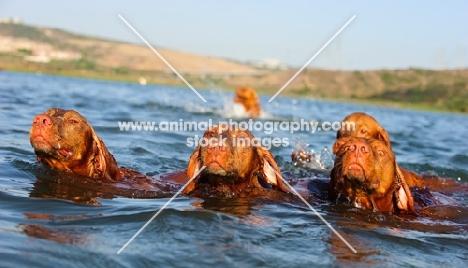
(457, 104)
(301, 92)
(387, 78)
(450, 97)
(85, 64)
(25, 51)
(121, 71)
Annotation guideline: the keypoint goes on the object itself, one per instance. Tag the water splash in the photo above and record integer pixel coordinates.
(233, 110)
(326, 158)
(307, 158)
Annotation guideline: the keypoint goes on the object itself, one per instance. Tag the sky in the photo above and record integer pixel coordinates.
(384, 35)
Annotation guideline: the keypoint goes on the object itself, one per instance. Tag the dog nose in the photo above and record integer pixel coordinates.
(42, 120)
(359, 147)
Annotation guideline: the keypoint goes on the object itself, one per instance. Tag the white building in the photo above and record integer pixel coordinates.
(13, 20)
(270, 64)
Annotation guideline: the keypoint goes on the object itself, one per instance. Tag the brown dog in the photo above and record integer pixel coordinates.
(366, 126)
(234, 165)
(249, 98)
(65, 140)
(366, 173)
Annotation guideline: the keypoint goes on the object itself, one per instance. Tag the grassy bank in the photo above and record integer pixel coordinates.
(442, 91)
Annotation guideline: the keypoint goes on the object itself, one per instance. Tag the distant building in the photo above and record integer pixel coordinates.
(38, 58)
(270, 64)
(38, 51)
(8, 20)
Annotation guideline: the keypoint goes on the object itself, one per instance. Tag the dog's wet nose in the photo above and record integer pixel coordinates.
(359, 147)
(42, 120)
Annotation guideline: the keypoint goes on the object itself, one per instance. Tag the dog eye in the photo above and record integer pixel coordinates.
(208, 134)
(74, 121)
(363, 131)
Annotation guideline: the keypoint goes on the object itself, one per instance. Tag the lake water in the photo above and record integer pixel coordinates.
(190, 232)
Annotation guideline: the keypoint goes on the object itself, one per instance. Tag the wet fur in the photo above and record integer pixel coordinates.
(233, 169)
(369, 178)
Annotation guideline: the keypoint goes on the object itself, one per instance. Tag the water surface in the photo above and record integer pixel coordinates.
(197, 233)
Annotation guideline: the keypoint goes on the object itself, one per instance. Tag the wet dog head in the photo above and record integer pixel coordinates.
(366, 172)
(65, 140)
(249, 99)
(233, 161)
(362, 125)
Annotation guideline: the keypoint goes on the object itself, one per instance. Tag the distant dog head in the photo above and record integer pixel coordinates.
(249, 99)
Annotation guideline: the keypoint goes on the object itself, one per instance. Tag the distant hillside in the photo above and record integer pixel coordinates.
(111, 56)
(29, 48)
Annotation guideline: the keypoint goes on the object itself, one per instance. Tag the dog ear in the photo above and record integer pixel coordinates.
(403, 194)
(338, 143)
(383, 136)
(341, 132)
(104, 164)
(270, 171)
(193, 167)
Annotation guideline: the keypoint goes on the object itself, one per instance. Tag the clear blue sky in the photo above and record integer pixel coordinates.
(385, 34)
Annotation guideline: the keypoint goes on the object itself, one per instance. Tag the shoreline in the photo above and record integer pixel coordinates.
(133, 79)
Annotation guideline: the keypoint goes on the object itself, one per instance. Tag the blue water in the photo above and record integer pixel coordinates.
(190, 232)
